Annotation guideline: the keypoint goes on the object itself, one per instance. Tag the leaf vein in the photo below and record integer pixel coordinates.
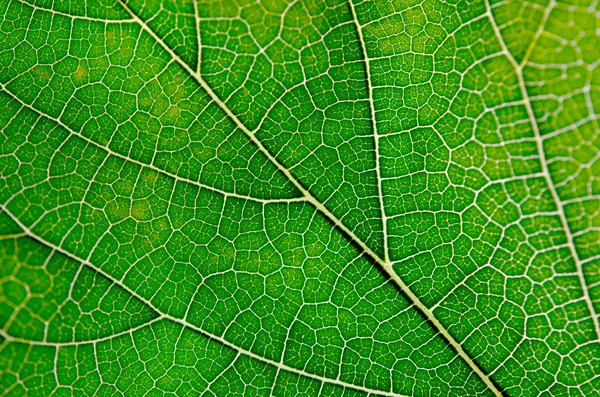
(183, 322)
(111, 152)
(542, 155)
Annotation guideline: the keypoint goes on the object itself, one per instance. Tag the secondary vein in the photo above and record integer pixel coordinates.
(542, 154)
(139, 163)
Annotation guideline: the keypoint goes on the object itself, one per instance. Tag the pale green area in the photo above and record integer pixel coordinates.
(310, 198)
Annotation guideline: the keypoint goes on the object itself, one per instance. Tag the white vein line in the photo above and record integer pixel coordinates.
(183, 322)
(141, 164)
(542, 155)
(581, 200)
(131, 330)
(386, 265)
(374, 127)
(80, 17)
(198, 36)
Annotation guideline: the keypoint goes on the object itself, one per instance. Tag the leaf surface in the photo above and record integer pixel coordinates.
(303, 198)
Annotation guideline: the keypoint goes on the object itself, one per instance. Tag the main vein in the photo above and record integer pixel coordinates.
(383, 262)
(305, 192)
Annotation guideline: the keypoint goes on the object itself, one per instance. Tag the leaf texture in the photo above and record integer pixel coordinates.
(320, 198)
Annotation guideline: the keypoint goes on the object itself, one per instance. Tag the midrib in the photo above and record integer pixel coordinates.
(385, 264)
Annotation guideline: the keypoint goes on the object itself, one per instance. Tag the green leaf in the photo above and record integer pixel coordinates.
(305, 198)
